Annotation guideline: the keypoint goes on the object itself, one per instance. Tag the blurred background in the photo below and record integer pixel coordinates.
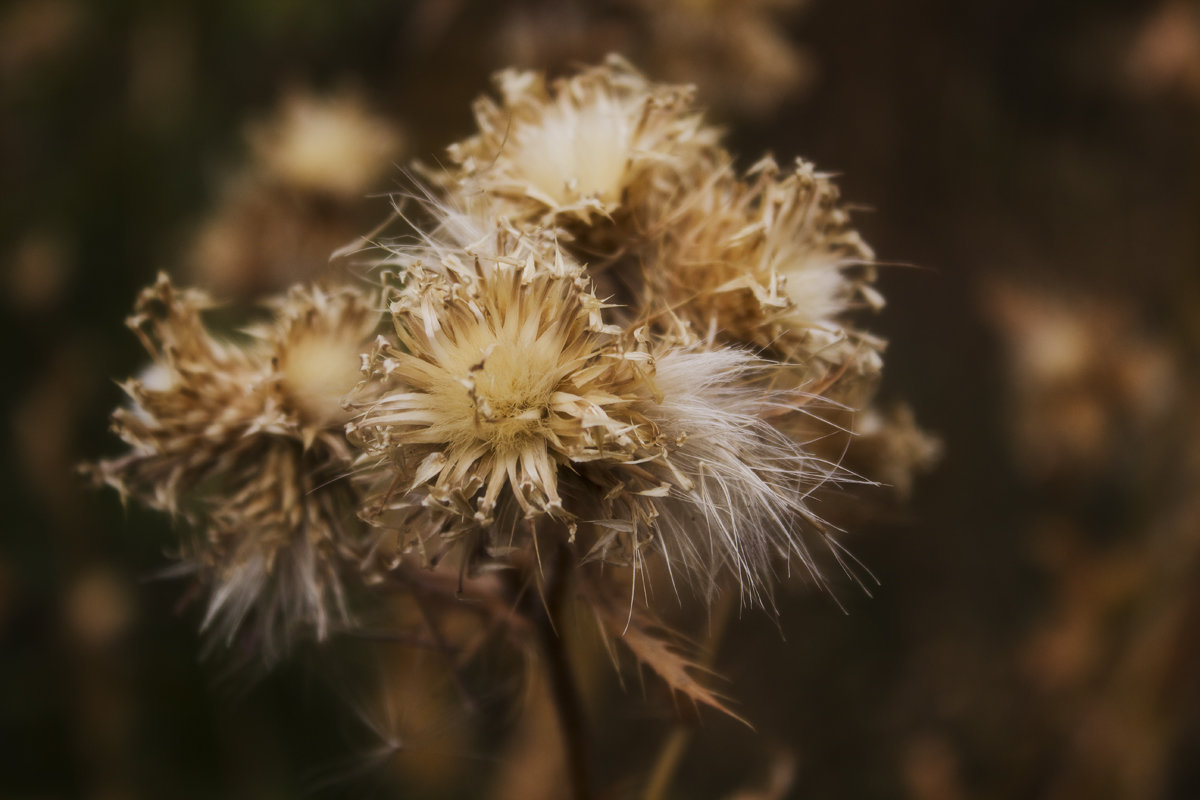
(1029, 171)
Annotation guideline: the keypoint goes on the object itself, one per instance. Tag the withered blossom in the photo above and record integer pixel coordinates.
(501, 374)
(772, 263)
(241, 441)
(581, 147)
(297, 198)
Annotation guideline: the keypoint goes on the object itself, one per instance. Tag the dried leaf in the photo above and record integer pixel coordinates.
(656, 647)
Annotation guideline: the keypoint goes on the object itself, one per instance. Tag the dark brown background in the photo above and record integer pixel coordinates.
(1034, 632)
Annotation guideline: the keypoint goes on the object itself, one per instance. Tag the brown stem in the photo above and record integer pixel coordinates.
(547, 617)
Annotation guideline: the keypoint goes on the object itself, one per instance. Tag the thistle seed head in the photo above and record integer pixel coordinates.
(771, 263)
(498, 377)
(238, 445)
(583, 146)
(327, 144)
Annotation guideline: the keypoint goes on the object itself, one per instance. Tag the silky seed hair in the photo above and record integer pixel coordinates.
(740, 499)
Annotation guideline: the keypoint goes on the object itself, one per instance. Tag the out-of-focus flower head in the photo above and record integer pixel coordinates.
(741, 54)
(329, 144)
(297, 199)
(893, 447)
(1087, 382)
(737, 51)
(241, 441)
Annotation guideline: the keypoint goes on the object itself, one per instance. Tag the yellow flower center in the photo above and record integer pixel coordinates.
(512, 393)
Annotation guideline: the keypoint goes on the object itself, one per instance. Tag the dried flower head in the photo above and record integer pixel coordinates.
(317, 340)
(773, 264)
(295, 200)
(502, 373)
(330, 144)
(612, 362)
(582, 146)
(236, 439)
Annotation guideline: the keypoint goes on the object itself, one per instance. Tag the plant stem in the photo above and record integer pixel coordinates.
(667, 762)
(563, 689)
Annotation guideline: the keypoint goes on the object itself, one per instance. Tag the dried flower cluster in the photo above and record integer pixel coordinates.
(610, 333)
(599, 357)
